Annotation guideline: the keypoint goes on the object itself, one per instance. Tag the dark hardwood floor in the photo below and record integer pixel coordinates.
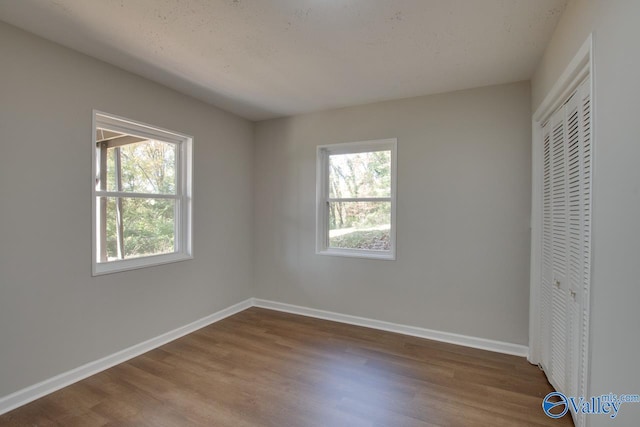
(265, 368)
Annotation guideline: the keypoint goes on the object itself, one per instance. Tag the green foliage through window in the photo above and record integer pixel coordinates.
(357, 224)
(137, 226)
(148, 227)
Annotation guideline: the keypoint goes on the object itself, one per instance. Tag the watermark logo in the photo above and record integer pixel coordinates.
(557, 404)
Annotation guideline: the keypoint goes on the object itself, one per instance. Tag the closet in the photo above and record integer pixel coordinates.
(565, 241)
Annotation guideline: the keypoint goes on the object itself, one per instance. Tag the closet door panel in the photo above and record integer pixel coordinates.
(547, 258)
(559, 220)
(585, 116)
(574, 241)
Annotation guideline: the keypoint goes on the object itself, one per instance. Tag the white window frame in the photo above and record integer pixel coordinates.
(323, 197)
(183, 196)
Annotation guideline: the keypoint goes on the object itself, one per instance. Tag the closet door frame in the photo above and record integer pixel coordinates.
(579, 69)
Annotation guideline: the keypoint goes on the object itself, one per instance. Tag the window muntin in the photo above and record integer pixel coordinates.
(356, 199)
(142, 195)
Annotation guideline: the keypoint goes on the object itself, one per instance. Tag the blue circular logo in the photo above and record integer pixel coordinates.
(555, 400)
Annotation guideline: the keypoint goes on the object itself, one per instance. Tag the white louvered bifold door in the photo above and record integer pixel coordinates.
(574, 241)
(547, 256)
(584, 117)
(566, 242)
(559, 216)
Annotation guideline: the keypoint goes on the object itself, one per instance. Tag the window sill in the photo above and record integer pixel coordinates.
(100, 268)
(350, 253)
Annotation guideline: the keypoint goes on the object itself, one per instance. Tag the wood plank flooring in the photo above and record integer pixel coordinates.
(265, 368)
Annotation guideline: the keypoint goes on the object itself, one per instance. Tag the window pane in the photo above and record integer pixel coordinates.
(148, 227)
(146, 166)
(360, 175)
(360, 225)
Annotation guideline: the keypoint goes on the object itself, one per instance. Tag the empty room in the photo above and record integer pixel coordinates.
(319, 213)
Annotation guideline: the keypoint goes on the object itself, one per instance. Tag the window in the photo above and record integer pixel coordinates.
(141, 195)
(356, 185)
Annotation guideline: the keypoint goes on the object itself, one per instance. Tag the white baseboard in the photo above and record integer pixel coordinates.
(31, 393)
(448, 337)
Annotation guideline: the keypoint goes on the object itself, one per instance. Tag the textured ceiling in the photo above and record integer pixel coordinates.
(269, 58)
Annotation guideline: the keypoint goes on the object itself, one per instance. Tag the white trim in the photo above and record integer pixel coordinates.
(125, 194)
(116, 266)
(360, 199)
(359, 146)
(322, 196)
(31, 393)
(138, 128)
(535, 228)
(568, 81)
(535, 273)
(448, 337)
(358, 253)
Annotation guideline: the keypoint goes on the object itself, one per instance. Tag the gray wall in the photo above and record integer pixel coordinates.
(463, 213)
(53, 315)
(615, 317)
